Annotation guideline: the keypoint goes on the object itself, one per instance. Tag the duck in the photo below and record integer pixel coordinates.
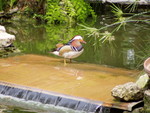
(70, 50)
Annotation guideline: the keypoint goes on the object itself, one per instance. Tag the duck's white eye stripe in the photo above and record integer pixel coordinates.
(77, 37)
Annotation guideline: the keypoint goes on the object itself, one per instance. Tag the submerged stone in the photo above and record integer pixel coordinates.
(127, 92)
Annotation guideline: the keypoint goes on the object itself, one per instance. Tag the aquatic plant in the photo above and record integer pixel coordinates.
(132, 7)
(121, 20)
(105, 35)
(116, 10)
(143, 52)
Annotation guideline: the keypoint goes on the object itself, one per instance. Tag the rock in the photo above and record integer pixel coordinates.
(5, 38)
(127, 92)
(6, 43)
(138, 110)
(143, 81)
(147, 101)
(2, 28)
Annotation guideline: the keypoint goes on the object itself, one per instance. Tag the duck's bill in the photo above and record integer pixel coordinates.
(82, 41)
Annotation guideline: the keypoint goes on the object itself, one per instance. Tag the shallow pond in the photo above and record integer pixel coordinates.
(90, 70)
(126, 51)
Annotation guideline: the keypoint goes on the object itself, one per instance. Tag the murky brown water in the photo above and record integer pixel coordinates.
(77, 79)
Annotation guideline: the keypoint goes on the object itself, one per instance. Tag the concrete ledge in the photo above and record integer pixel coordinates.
(140, 2)
(50, 98)
(56, 99)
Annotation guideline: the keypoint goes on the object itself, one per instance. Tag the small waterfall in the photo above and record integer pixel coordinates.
(50, 98)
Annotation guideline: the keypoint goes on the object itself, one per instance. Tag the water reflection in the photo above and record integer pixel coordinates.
(6, 109)
(128, 52)
(40, 39)
(78, 74)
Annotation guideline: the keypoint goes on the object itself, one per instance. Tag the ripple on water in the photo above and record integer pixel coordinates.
(5, 64)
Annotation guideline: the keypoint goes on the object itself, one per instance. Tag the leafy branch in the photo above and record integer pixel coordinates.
(121, 21)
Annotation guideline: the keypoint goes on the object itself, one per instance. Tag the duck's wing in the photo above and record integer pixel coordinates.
(65, 49)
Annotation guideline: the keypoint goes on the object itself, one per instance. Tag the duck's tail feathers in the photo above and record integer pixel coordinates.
(54, 52)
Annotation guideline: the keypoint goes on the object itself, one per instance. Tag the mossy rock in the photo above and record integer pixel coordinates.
(8, 51)
(143, 82)
(147, 101)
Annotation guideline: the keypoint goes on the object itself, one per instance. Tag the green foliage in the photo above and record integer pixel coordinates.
(83, 10)
(1, 5)
(104, 35)
(117, 11)
(12, 3)
(132, 7)
(53, 12)
(5, 5)
(66, 11)
(144, 54)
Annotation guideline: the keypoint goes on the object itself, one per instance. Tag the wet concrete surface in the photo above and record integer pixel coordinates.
(89, 81)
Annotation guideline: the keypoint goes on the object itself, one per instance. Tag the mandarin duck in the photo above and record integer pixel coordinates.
(71, 50)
